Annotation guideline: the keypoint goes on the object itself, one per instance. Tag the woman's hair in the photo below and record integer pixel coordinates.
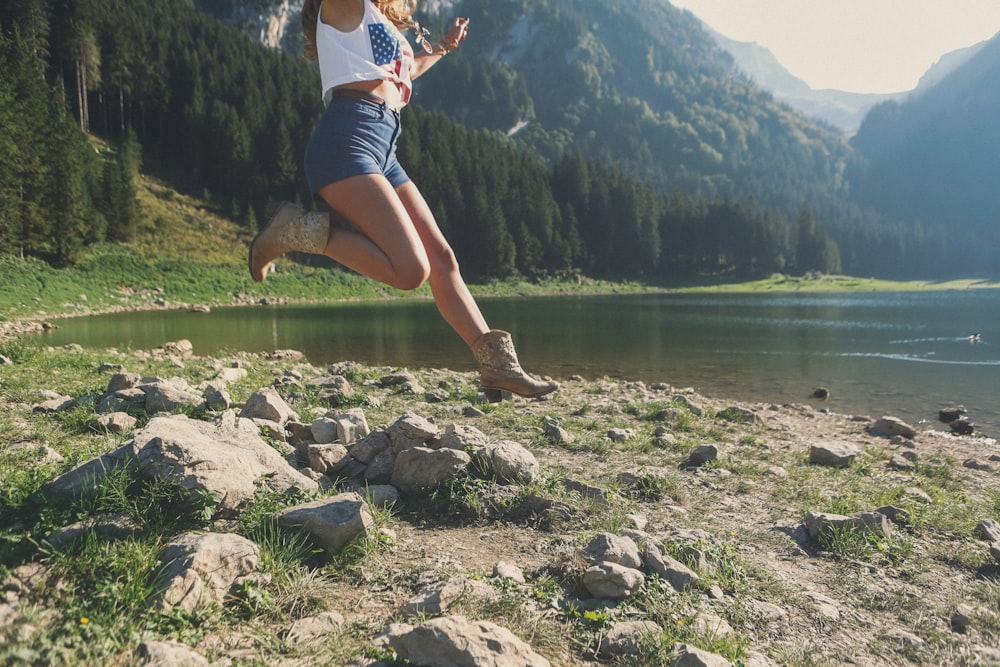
(400, 12)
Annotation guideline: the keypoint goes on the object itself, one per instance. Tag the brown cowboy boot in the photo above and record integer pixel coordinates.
(499, 369)
(288, 227)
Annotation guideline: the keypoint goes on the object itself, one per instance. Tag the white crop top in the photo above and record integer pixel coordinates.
(376, 49)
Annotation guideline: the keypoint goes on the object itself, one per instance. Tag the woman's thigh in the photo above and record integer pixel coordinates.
(371, 204)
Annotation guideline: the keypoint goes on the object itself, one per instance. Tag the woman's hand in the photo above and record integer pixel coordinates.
(457, 33)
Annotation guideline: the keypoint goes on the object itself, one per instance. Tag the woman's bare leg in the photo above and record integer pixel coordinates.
(388, 247)
(400, 245)
(452, 296)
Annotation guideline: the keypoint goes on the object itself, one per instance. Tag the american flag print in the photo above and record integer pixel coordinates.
(385, 47)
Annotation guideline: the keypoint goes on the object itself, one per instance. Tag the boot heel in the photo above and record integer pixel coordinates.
(493, 395)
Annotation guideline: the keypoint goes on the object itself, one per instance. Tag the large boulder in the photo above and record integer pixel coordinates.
(458, 642)
(420, 469)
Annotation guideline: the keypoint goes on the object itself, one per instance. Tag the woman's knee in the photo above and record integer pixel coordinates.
(411, 275)
(442, 260)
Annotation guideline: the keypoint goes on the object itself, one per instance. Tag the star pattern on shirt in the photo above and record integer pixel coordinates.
(385, 47)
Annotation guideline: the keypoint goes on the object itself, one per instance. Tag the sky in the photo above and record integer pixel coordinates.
(860, 46)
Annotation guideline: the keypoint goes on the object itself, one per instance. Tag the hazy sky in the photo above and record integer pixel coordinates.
(860, 46)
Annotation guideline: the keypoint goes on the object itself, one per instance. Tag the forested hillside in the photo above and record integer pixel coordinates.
(222, 116)
(597, 137)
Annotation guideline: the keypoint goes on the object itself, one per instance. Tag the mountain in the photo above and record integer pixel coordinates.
(933, 159)
(839, 108)
(643, 88)
(947, 64)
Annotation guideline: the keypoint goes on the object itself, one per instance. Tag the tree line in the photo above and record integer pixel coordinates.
(216, 114)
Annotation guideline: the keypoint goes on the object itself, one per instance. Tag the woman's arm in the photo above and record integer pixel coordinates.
(422, 61)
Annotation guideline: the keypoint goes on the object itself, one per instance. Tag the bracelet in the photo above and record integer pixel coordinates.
(444, 49)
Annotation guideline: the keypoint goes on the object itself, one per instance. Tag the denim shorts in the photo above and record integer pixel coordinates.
(354, 136)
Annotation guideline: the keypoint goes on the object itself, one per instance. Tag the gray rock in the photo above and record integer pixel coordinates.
(597, 493)
(228, 375)
(224, 458)
(411, 430)
(328, 459)
(108, 526)
(900, 462)
(420, 469)
(821, 524)
(121, 381)
(454, 641)
(556, 434)
(314, 627)
(367, 448)
(465, 438)
(962, 427)
(688, 655)
(709, 625)
(755, 659)
(324, 430)
(897, 515)
(53, 405)
(607, 547)
(702, 455)
(87, 477)
(380, 495)
(267, 404)
(438, 597)
(689, 403)
(989, 530)
(332, 522)
(891, 426)
(506, 570)
(677, 574)
(114, 422)
(620, 434)
(740, 415)
(167, 653)
(507, 462)
(352, 425)
(200, 569)
(436, 396)
(835, 454)
(217, 397)
(627, 638)
(381, 468)
(165, 396)
(611, 581)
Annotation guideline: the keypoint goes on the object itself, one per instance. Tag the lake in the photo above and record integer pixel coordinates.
(907, 354)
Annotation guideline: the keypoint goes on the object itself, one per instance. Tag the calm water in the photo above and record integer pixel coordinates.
(906, 354)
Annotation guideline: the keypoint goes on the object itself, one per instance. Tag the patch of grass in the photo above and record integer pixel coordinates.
(868, 546)
(101, 593)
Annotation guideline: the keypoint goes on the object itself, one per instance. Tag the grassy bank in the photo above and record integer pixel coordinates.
(185, 253)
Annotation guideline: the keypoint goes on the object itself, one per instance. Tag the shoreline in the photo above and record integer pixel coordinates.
(17, 325)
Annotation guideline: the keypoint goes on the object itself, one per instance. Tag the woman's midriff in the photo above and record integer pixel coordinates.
(387, 90)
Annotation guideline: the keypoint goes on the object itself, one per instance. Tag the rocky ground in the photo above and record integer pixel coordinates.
(610, 523)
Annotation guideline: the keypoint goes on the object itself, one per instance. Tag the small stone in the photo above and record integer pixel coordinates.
(961, 618)
(702, 454)
(835, 454)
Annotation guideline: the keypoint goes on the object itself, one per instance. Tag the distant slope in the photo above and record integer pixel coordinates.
(841, 109)
(934, 159)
